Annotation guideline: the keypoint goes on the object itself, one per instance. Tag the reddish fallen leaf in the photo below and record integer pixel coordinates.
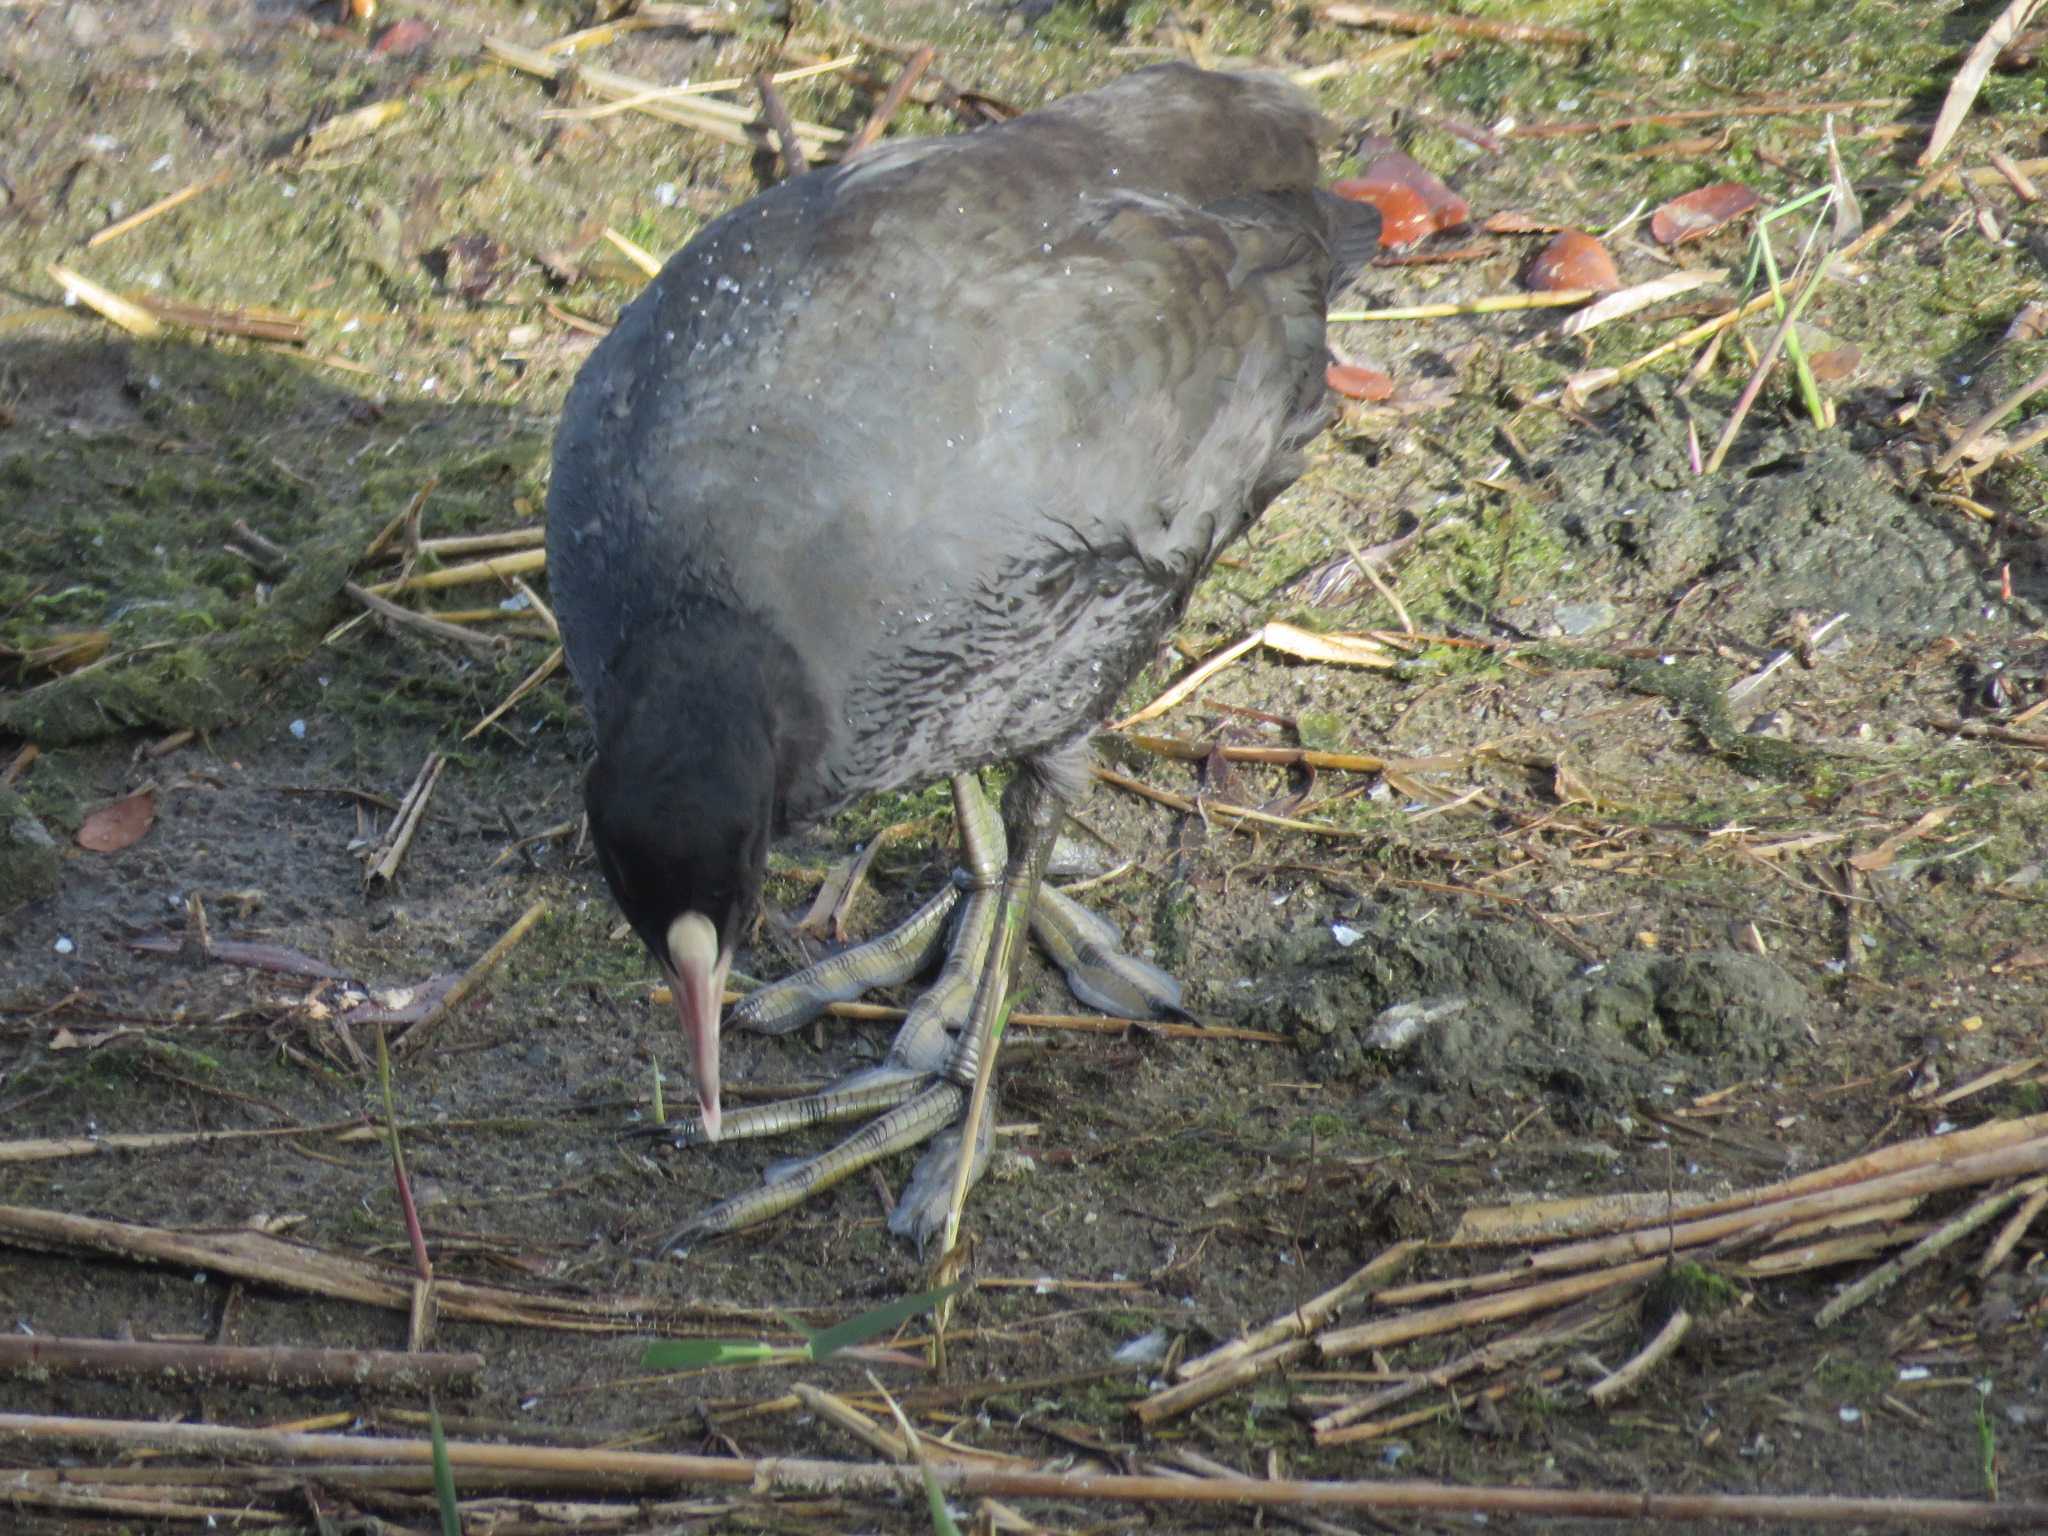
(1356, 383)
(1701, 212)
(1445, 206)
(1404, 215)
(1836, 363)
(119, 825)
(1572, 261)
(403, 37)
(1510, 222)
(259, 957)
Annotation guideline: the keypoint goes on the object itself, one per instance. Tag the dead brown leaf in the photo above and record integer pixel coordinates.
(120, 824)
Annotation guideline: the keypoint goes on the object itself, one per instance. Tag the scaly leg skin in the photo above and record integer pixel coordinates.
(932, 1063)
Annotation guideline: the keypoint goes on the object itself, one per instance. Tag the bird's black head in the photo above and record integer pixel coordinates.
(681, 816)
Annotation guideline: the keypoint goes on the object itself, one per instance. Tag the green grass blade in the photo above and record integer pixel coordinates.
(858, 1330)
(935, 1496)
(444, 1476)
(691, 1354)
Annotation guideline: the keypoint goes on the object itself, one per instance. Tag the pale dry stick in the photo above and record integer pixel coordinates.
(1832, 1252)
(2028, 440)
(1195, 1462)
(471, 979)
(540, 674)
(2025, 1158)
(44, 1149)
(254, 324)
(1581, 1322)
(1307, 757)
(1580, 130)
(426, 624)
(1935, 1243)
(403, 825)
(837, 1411)
(2010, 1234)
(1299, 1322)
(1990, 1079)
(162, 205)
(645, 261)
(1889, 1213)
(782, 125)
(699, 88)
(82, 1501)
(891, 102)
(1871, 860)
(1653, 1354)
(1185, 1397)
(1624, 302)
(1288, 639)
(509, 616)
(1738, 691)
(1378, 1429)
(2021, 183)
(270, 558)
(1352, 63)
(469, 573)
(405, 517)
(262, 1259)
(1503, 1226)
(1492, 304)
(1223, 810)
(1969, 79)
(720, 120)
(1450, 1317)
(1387, 18)
(475, 1461)
(350, 127)
(478, 543)
(110, 306)
(199, 1364)
(541, 609)
(1988, 420)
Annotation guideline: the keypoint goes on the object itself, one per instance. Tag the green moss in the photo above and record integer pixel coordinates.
(29, 855)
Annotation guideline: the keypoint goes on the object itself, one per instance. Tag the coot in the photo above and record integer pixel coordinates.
(902, 469)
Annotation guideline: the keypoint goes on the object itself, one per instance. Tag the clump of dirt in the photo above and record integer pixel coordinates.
(29, 857)
(1801, 519)
(1475, 1009)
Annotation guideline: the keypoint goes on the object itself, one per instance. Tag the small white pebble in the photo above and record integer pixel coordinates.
(1345, 935)
(63, 946)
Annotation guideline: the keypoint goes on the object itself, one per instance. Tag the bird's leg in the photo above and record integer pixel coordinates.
(932, 1064)
(1031, 817)
(908, 1083)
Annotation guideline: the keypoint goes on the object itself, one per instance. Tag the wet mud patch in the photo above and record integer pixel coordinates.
(1798, 520)
(1476, 1009)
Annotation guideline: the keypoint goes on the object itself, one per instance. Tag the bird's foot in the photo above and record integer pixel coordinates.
(922, 1083)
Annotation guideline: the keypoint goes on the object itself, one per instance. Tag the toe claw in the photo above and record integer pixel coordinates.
(920, 1212)
(1087, 947)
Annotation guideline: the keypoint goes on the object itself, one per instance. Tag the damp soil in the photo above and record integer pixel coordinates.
(1591, 931)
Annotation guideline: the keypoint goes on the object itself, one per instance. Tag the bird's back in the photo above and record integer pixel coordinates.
(952, 429)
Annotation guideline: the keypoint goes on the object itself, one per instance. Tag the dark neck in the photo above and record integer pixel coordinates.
(717, 692)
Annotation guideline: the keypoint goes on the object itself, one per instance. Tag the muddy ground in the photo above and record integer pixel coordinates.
(1624, 898)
